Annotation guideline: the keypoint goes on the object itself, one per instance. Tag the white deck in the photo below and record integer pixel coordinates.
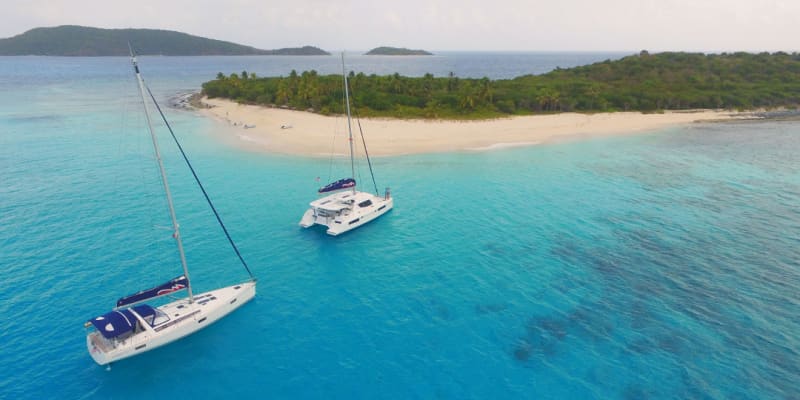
(345, 210)
(181, 318)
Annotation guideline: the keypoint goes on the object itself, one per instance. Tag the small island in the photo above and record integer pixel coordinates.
(78, 41)
(396, 51)
(424, 114)
(297, 51)
(652, 83)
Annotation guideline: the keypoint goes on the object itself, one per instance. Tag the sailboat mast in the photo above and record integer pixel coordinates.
(349, 127)
(175, 227)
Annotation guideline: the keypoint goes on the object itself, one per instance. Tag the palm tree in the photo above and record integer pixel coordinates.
(485, 90)
(467, 97)
(282, 94)
(452, 82)
(592, 92)
(427, 86)
(549, 99)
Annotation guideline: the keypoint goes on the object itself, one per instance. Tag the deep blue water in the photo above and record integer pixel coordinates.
(663, 265)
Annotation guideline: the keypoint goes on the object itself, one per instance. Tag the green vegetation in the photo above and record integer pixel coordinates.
(396, 51)
(643, 82)
(298, 51)
(72, 40)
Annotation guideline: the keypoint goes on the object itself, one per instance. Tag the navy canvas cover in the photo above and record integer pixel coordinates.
(345, 183)
(173, 285)
(147, 313)
(144, 310)
(114, 323)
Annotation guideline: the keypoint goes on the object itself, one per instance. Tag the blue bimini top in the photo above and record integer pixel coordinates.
(119, 322)
(115, 323)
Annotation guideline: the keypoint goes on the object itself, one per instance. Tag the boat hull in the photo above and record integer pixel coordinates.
(328, 211)
(184, 319)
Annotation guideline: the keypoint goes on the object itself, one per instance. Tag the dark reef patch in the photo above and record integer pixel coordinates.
(523, 351)
(489, 308)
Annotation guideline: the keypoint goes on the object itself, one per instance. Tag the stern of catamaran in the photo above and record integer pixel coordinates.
(309, 218)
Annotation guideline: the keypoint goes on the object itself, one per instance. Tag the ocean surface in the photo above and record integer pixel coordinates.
(658, 266)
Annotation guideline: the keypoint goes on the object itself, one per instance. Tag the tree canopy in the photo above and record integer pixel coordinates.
(643, 82)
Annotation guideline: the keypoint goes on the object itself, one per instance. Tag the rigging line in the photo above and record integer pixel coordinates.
(349, 125)
(363, 141)
(366, 153)
(208, 199)
(333, 149)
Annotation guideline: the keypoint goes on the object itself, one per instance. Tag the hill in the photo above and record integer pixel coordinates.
(396, 51)
(70, 40)
(642, 82)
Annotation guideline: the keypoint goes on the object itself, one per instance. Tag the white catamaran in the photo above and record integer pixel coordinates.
(132, 327)
(346, 208)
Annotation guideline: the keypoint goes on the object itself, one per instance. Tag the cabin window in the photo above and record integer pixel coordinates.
(382, 207)
(354, 221)
(157, 319)
(365, 203)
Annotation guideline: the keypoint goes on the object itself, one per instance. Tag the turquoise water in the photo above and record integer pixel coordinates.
(664, 265)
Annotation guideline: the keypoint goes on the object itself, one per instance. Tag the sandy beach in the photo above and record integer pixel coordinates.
(303, 133)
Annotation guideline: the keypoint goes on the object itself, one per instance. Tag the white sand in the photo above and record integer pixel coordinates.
(305, 133)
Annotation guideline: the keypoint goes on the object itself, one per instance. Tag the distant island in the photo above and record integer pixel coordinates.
(297, 51)
(71, 40)
(396, 51)
(643, 82)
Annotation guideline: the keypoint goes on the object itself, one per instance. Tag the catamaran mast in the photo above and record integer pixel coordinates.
(349, 128)
(175, 227)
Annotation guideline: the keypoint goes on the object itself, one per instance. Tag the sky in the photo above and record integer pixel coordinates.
(441, 25)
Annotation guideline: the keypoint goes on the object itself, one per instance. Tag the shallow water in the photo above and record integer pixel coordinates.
(662, 265)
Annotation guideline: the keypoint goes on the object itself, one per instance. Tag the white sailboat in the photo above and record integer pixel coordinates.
(133, 327)
(346, 208)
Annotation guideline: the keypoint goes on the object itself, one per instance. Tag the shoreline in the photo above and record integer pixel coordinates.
(277, 130)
